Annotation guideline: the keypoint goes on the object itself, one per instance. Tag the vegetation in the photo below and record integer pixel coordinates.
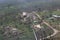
(48, 14)
(10, 10)
(10, 19)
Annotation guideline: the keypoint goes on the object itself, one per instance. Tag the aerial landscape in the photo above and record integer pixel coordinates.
(29, 19)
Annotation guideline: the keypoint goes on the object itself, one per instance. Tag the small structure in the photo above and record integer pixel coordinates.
(14, 29)
(56, 16)
(37, 26)
(35, 21)
(24, 13)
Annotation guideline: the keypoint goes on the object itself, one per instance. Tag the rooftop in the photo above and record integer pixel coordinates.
(37, 26)
(24, 13)
(56, 16)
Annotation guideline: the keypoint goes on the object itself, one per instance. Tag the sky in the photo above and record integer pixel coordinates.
(2, 0)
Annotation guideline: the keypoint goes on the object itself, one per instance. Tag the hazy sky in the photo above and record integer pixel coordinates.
(2, 1)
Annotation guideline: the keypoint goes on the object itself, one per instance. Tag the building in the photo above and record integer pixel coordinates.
(24, 13)
(56, 16)
(37, 26)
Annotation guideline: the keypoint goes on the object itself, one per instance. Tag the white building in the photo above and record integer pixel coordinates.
(24, 13)
(37, 26)
(56, 16)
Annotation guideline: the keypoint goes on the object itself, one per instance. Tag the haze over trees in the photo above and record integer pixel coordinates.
(29, 5)
(10, 11)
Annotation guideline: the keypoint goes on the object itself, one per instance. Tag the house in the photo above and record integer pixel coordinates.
(24, 13)
(37, 26)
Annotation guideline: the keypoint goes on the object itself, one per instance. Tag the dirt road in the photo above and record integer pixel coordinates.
(55, 31)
